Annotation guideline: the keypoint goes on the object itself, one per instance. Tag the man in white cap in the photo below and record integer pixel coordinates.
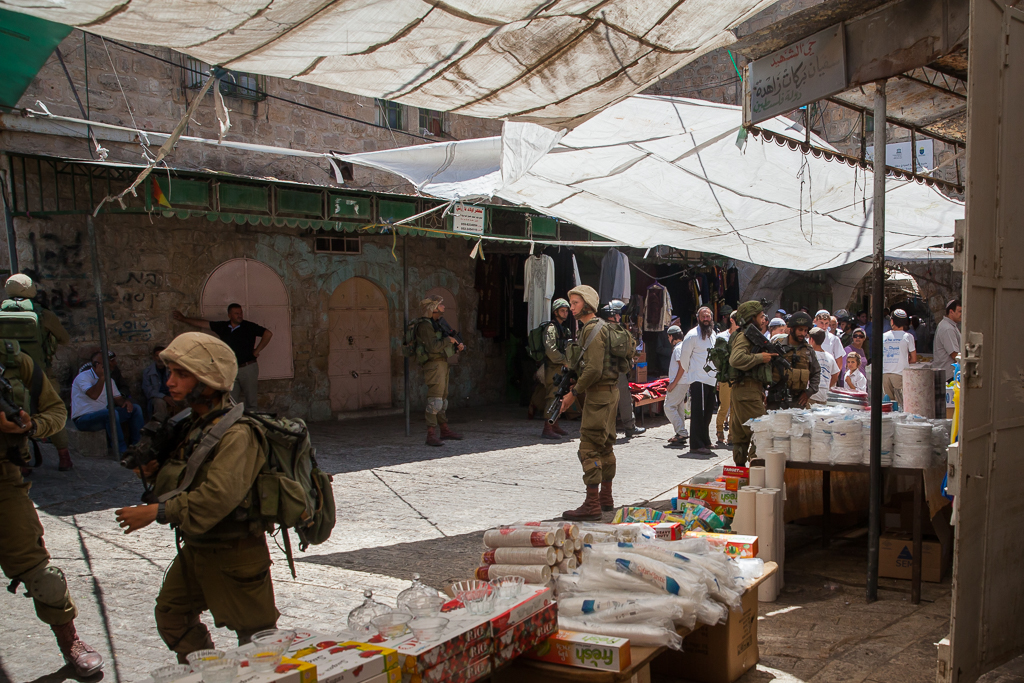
(833, 344)
(678, 385)
(898, 351)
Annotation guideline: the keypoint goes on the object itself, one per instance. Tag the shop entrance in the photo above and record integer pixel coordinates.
(359, 363)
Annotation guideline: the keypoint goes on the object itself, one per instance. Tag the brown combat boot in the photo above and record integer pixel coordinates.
(65, 460)
(83, 659)
(432, 439)
(549, 432)
(449, 434)
(607, 504)
(558, 430)
(590, 511)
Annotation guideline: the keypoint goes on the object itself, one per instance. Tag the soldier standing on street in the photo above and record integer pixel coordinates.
(749, 374)
(223, 563)
(555, 338)
(612, 312)
(23, 556)
(598, 379)
(438, 349)
(805, 372)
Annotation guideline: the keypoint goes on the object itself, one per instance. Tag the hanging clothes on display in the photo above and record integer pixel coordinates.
(615, 277)
(658, 308)
(732, 288)
(565, 270)
(538, 289)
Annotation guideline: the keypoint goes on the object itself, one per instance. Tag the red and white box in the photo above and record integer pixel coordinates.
(525, 635)
(443, 671)
(348, 661)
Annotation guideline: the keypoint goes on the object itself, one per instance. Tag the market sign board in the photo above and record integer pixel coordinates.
(798, 74)
(468, 219)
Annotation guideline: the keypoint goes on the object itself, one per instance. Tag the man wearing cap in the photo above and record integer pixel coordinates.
(597, 378)
(694, 358)
(555, 338)
(749, 375)
(947, 338)
(240, 335)
(833, 344)
(776, 326)
(724, 391)
(438, 349)
(804, 373)
(52, 334)
(898, 352)
(223, 564)
(678, 385)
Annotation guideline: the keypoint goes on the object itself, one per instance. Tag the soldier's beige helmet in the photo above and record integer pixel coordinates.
(20, 286)
(205, 356)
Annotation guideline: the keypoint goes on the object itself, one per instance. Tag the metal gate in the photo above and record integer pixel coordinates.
(988, 591)
(359, 364)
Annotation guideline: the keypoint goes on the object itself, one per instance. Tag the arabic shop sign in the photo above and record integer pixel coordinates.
(468, 219)
(798, 74)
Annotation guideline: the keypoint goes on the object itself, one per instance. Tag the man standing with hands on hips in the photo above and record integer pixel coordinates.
(240, 335)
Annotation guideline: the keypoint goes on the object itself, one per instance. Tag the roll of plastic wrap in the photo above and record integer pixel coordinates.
(519, 538)
(746, 512)
(774, 469)
(919, 392)
(546, 555)
(800, 449)
(757, 476)
(766, 530)
(531, 573)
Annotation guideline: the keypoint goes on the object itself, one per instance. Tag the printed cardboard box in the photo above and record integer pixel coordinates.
(288, 671)
(525, 635)
(476, 671)
(584, 650)
(416, 656)
(667, 531)
(896, 558)
(451, 666)
(733, 545)
(348, 662)
(531, 600)
(713, 493)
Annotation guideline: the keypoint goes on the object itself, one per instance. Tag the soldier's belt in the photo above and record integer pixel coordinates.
(604, 386)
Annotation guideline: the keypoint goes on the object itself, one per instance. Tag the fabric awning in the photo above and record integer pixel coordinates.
(664, 171)
(554, 63)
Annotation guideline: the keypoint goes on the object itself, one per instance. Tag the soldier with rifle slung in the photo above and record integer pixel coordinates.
(749, 374)
(794, 388)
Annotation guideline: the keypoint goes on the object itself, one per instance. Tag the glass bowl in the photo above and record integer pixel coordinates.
(480, 601)
(268, 648)
(508, 587)
(425, 605)
(223, 670)
(459, 588)
(170, 673)
(428, 628)
(392, 625)
(199, 659)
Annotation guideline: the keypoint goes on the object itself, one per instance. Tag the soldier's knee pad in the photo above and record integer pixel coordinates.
(435, 406)
(444, 405)
(608, 467)
(46, 584)
(182, 632)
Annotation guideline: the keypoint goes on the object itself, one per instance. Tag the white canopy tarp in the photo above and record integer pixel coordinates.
(554, 63)
(664, 171)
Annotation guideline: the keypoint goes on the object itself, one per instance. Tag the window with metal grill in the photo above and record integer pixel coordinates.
(433, 122)
(338, 245)
(390, 114)
(238, 84)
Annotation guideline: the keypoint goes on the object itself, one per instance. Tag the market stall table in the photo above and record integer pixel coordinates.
(646, 402)
(638, 671)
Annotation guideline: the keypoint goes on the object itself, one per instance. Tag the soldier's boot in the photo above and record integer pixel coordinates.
(739, 454)
(64, 464)
(558, 430)
(530, 412)
(590, 511)
(549, 432)
(26, 471)
(607, 503)
(432, 439)
(449, 434)
(633, 430)
(83, 659)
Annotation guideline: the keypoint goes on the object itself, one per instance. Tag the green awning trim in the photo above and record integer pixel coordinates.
(25, 44)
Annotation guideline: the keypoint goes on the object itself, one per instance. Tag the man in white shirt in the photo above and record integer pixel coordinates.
(898, 351)
(694, 357)
(677, 386)
(947, 338)
(828, 364)
(833, 344)
(724, 391)
(89, 409)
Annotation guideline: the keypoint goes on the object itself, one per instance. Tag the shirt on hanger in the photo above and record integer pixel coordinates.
(538, 289)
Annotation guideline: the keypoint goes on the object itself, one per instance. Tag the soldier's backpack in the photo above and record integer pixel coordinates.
(411, 347)
(20, 322)
(24, 391)
(621, 345)
(535, 341)
(718, 360)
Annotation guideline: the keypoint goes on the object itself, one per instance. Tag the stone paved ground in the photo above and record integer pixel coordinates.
(404, 508)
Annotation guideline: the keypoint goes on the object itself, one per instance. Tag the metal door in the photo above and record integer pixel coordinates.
(264, 300)
(359, 363)
(988, 594)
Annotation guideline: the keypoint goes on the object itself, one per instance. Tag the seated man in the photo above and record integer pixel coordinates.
(154, 386)
(89, 405)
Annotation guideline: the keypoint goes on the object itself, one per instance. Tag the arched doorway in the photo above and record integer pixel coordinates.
(359, 363)
(264, 300)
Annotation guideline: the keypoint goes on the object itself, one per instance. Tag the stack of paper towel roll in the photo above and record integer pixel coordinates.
(532, 550)
(759, 513)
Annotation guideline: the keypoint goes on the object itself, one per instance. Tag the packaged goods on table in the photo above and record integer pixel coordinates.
(584, 650)
(689, 515)
(530, 550)
(340, 659)
(733, 545)
(288, 671)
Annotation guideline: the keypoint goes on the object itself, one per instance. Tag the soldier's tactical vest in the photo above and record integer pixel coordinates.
(800, 374)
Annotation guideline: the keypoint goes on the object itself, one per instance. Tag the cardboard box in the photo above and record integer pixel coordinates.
(639, 374)
(584, 650)
(416, 656)
(525, 635)
(733, 545)
(710, 493)
(476, 671)
(532, 600)
(443, 671)
(347, 661)
(288, 671)
(716, 654)
(896, 558)
(667, 531)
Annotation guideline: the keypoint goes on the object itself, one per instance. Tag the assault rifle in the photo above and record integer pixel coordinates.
(10, 410)
(447, 331)
(157, 440)
(777, 391)
(563, 384)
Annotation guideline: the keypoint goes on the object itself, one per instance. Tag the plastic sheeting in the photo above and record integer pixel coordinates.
(553, 63)
(663, 171)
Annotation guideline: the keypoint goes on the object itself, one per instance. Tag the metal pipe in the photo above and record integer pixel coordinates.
(405, 304)
(12, 238)
(877, 295)
(112, 442)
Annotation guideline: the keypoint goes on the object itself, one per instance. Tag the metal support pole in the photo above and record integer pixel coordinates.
(101, 317)
(405, 304)
(12, 239)
(877, 294)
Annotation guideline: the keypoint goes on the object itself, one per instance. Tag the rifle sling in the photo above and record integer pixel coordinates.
(202, 451)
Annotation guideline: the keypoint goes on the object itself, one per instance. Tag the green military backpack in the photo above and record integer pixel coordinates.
(19, 321)
(718, 360)
(535, 341)
(23, 392)
(411, 348)
(621, 343)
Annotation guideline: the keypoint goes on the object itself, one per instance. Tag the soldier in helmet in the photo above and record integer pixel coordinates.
(223, 564)
(804, 374)
(749, 375)
(612, 312)
(555, 338)
(23, 555)
(438, 349)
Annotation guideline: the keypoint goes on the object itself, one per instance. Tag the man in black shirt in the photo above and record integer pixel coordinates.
(241, 336)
